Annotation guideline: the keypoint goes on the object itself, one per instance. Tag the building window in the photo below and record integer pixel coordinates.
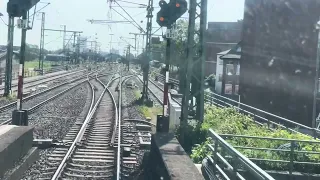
(230, 69)
(236, 90)
(238, 70)
(228, 89)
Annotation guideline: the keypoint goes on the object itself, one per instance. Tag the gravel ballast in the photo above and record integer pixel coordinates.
(54, 121)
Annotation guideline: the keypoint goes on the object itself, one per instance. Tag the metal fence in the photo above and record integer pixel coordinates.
(292, 154)
(260, 116)
(226, 169)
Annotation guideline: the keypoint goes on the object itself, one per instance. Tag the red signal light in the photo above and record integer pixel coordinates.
(161, 19)
(177, 5)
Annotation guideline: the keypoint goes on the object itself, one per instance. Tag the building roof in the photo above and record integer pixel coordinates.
(223, 52)
(234, 53)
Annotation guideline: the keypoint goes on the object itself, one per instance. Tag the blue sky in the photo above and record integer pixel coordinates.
(75, 13)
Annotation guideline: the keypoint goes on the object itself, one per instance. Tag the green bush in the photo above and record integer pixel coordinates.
(230, 121)
(193, 135)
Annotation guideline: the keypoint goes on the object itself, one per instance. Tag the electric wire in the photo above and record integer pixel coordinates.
(3, 21)
(131, 3)
(125, 18)
(53, 40)
(140, 28)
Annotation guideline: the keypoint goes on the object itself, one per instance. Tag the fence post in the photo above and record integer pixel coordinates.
(234, 166)
(215, 156)
(291, 158)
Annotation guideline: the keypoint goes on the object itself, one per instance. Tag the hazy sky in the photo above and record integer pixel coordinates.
(75, 13)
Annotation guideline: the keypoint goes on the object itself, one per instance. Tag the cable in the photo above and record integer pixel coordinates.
(138, 14)
(140, 28)
(53, 40)
(125, 18)
(156, 31)
(130, 6)
(131, 3)
(39, 10)
(3, 21)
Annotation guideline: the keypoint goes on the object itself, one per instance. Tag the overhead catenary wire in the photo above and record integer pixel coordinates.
(140, 28)
(53, 40)
(131, 3)
(3, 21)
(125, 18)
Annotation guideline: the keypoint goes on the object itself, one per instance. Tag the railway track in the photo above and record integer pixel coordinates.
(45, 79)
(32, 106)
(135, 140)
(89, 153)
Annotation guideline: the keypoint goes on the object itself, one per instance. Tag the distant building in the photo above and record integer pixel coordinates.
(114, 51)
(83, 44)
(221, 36)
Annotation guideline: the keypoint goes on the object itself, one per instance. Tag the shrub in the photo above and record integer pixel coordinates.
(230, 121)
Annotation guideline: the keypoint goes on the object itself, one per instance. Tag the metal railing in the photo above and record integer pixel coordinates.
(232, 169)
(292, 154)
(260, 116)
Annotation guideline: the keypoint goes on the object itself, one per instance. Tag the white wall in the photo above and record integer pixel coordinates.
(219, 71)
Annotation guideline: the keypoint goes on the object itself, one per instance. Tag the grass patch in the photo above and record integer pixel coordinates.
(150, 112)
(35, 64)
(9, 98)
(137, 94)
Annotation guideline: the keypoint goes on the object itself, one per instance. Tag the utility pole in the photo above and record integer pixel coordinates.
(128, 63)
(195, 65)
(78, 50)
(64, 34)
(41, 43)
(145, 98)
(22, 59)
(18, 8)
(135, 39)
(167, 62)
(64, 38)
(74, 47)
(111, 46)
(8, 73)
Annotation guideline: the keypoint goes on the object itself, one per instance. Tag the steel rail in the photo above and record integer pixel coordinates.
(82, 130)
(3, 108)
(32, 109)
(119, 128)
(45, 79)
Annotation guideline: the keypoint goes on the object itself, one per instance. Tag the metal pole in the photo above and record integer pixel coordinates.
(135, 42)
(145, 97)
(64, 37)
(41, 43)
(74, 46)
(11, 54)
(167, 62)
(316, 88)
(8, 73)
(201, 62)
(129, 57)
(188, 75)
(21, 63)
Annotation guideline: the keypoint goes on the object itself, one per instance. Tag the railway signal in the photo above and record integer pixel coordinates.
(17, 8)
(177, 8)
(170, 12)
(163, 16)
